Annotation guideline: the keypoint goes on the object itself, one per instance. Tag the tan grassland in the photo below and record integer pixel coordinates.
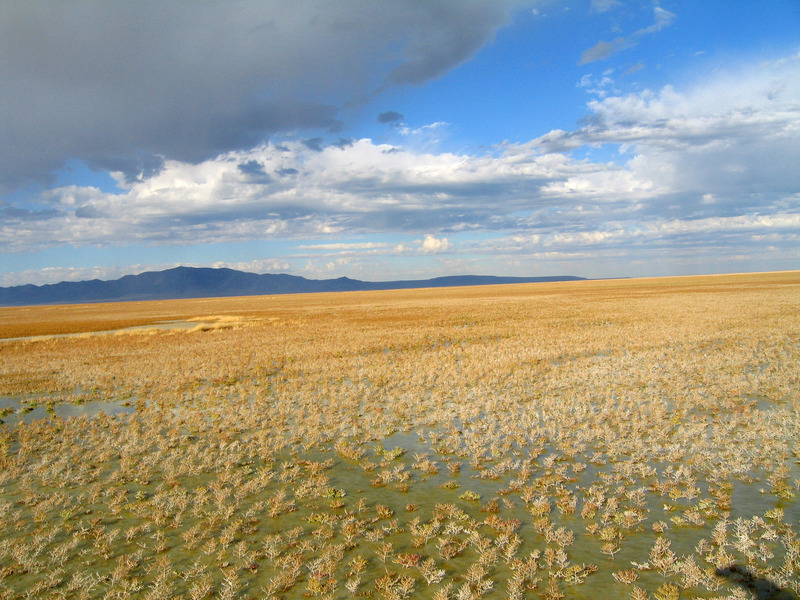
(610, 439)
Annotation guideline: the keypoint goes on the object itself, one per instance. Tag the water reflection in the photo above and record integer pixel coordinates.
(17, 410)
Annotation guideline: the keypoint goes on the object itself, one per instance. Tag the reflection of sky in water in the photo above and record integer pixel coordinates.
(63, 409)
(426, 490)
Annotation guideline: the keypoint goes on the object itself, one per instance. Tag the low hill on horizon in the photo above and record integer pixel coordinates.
(202, 282)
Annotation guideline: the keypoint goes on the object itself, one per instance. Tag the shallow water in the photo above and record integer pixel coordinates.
(361, 496)
(28, 410)
(367, 484)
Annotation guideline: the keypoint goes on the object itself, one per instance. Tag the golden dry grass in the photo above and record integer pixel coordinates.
(608, 438)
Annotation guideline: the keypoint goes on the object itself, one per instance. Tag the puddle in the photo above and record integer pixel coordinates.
(386, 497)
(15, 410)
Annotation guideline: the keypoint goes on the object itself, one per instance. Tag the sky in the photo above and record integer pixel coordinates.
(402, 139)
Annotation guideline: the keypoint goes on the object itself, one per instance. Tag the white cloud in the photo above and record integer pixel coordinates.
(264, 265)
(50, 275)
(345, 246)
(432, 244)
(601, 87)
(715, 162)
(734, 135)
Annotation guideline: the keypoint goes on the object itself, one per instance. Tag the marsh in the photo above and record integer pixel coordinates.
(585, 439)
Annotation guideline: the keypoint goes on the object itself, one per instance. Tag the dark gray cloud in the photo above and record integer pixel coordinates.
(314, 144)
(23, 214)
(88, 212)
(127, 85)
(343, 143)
(254, 171)
(443, 37)
(251, 167)
(390, 116)
(135, 168)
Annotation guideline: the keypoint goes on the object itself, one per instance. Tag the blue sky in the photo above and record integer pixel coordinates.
(399, 140)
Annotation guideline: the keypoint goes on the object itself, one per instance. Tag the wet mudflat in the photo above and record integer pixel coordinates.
(632, 439)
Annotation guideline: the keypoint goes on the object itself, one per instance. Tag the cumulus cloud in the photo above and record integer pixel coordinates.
(705, 166)
(734, 136)
(434, 244)
(126, 86)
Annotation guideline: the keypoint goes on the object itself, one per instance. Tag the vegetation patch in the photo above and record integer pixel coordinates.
(628, 439)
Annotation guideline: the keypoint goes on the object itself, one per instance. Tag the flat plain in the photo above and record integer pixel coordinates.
(594, 439)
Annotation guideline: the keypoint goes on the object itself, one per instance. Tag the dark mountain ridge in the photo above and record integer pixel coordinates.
(195, 282)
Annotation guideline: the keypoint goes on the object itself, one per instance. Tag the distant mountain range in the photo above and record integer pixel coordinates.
(191, 282)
